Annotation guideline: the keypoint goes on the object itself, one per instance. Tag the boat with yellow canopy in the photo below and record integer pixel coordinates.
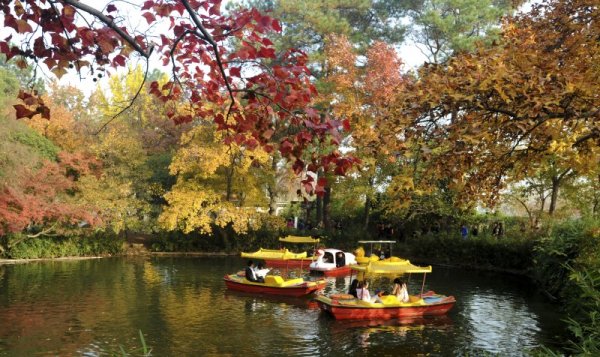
(346, 307)
(274, 285)
(283, 258)
(384, 255)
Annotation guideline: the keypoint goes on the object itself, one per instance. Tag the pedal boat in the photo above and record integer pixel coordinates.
(274, 285)
(346, 307)
(332, 262)
(283, 258)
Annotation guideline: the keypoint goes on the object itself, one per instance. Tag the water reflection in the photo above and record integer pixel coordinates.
(183, 308)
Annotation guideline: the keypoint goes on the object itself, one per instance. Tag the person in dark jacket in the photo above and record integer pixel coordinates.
(353, 287)
(251, 274)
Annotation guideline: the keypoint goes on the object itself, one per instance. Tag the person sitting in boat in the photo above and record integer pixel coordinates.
(251, 274)
(353, 286)
(364, 294)
(261, 271)
(400, 290)
(340, 259)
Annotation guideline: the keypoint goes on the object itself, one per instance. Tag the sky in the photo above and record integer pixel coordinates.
(410, 55)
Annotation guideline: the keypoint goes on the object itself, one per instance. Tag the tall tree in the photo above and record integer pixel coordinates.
(361, 93)
(218, 185)
(235, 86)
(503, 110)
(441, 28)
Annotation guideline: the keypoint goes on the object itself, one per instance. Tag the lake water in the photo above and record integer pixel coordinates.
(97, 307)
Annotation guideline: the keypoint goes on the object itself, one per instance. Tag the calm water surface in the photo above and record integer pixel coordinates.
(96, 307)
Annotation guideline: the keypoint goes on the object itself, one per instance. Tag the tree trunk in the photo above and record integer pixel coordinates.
(318, 210)
(271, 190)
(554, 195)
(326, 207)
(367, 213)
(556, 182)
(223, 232)
(229, 174)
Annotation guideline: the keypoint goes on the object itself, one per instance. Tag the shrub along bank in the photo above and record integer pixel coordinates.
(563, 259)
(16, 246)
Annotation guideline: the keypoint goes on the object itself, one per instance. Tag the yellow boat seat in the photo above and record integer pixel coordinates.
(273, 280)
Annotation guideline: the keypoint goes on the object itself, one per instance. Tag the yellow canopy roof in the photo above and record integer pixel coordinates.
(401, 267)
(276, 254)
(298, 239)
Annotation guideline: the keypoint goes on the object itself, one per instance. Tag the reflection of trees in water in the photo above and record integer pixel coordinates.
(414, 335)
(498, 322)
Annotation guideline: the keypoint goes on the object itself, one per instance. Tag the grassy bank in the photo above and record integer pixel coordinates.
(96, 244)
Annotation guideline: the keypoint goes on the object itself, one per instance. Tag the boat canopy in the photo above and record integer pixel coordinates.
(376, 241)
(281, 254)
(298, 239)
(401, 267)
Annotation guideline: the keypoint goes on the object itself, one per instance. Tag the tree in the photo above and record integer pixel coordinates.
(247, 96)
(361, 95)
(307, 24)
(441, 28)
(505, 109)
(218, 185)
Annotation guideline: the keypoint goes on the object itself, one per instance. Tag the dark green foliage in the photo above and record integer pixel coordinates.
(509, 254)
(567, 266)
(96, 244)
(44, 147)
(566, 244)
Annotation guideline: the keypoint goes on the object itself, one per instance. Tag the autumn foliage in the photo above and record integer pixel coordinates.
(224, 66)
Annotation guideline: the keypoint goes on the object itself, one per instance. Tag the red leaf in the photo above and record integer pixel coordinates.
(298, 166)
(280, 72)
(148, 4)
(286, 147)
(251, 144)
(322, 182)
(23, 26)
(276, 26)
(235, 71)
(111, 8)
(346, 124)
(119, 60)
(266, 52)
(44, 111)
(267, 134)
(23, 112)
(149, 17)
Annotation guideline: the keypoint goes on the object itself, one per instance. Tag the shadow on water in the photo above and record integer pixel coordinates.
(183, 308)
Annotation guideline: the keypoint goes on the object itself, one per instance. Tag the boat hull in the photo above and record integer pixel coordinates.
(339, 271)
(233, 282)
(288, 263)
(351, 310)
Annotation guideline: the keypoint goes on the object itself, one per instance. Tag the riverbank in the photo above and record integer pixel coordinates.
(156, 254)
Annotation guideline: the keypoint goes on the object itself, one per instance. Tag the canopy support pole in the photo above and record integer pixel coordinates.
(423, 286)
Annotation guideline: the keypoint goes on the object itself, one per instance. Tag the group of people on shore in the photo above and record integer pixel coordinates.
(360, 290)
(256, 274)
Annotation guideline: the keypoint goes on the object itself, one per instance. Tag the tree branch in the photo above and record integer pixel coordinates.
(215, 47)
(130, 102)
(110, 23)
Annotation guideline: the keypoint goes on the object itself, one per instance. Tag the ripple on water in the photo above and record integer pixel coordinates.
(182, 307)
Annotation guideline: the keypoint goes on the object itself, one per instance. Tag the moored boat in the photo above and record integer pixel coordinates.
(343, 307)
(283, 258)
(274, 285)
(332, 262)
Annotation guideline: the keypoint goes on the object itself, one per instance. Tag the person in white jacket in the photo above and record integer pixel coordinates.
(400, 290)
(261, 271)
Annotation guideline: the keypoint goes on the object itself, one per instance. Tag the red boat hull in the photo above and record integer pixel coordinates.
(340, 271)
(258, 288)
(357, 312)
(288, 263)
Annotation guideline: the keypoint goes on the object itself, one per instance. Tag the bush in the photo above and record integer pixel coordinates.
(96, 244)
(482, 251)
